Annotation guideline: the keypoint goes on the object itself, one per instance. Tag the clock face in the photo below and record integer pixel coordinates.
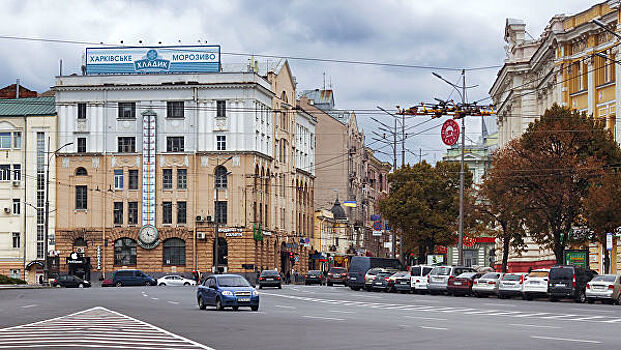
(148, 235)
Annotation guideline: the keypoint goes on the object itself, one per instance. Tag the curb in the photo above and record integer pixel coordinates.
(22, 286)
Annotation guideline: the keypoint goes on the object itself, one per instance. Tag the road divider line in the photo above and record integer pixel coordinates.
(426, 318)
(566, 339)
(532, 325)
(173, 302)
(285, 306)
(435, 328)
(324, 318)
(29, 306)
(155, 298)
(341, 312)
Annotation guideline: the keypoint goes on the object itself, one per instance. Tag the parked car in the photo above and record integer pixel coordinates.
(70, 281)
(511, 285)
(270, 278)
(227, 291)
(359, 265)
(462, 284)
(381, 281)
(175, 280)
(108, 282)
(437, 279)
(486, 285)
(314, 277)
(399, 282)
(569, 281)
(418, 278)
(122, 278)
(337, 275)
(370, 276)
(606, 288)
(536, 284)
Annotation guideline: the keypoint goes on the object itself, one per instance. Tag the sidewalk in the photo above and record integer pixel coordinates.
(23, 286)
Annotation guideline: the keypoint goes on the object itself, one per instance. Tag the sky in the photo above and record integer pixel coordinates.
(439, 33)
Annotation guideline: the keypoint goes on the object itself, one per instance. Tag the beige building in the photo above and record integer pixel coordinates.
(27, 135)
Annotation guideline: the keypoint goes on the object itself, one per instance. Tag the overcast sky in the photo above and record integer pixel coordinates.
(433, 33)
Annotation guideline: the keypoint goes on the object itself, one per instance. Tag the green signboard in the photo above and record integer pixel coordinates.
(577, 257)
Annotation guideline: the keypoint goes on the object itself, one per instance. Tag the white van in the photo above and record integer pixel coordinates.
(536, 284)
(418, 277)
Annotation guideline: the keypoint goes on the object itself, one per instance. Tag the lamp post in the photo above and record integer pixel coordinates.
(216, 218)
(47, 205)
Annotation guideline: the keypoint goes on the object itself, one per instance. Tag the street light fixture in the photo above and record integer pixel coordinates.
(47, 206)
(216, 218)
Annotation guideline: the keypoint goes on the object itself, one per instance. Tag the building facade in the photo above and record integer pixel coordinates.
(27, 134)
(170, 156)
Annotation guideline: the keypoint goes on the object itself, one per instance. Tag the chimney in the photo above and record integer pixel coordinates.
(17, 89)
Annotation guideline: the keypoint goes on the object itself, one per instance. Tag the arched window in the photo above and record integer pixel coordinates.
(124, 252)
(81, 172)
(174, 252)
(283, 97)
(221, 177)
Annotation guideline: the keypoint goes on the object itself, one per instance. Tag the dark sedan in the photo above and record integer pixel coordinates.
(337, 275)
(70, 281)
(381, 281)
(462, 284)
(313, 276)
(270, 278)
(400, 282)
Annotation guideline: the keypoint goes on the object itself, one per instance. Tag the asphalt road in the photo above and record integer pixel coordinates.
(300, 317)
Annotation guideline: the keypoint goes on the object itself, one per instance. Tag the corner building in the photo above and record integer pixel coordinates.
(177, 152)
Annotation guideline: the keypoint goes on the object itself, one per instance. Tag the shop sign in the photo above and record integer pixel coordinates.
(450, 132)
(98, 257)
(377, 233)
(434, 259)
(577, 258)
(609, 241)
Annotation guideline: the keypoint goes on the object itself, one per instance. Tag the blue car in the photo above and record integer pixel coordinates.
(227, 290)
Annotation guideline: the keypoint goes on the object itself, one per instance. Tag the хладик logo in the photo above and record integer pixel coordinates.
(151, 63)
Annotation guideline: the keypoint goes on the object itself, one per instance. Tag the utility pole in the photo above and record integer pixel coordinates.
(460, 245)
(394, 164)
(403, 141)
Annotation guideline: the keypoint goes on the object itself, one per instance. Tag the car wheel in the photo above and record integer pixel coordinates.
(119, 284)
(81, 285)
(255, 308)
(57, 285)
(590, 301)
(618, 301)
(260, 287)
(162, 284)
(147, 283)
(355, 288)
(581, 297)
(329, 284)
(235, 308)
(219, 305)
(553, 299)
(186, 284)
(201, 303)
(280, 286)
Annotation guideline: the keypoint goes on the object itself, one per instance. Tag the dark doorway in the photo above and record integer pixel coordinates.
(223, 252)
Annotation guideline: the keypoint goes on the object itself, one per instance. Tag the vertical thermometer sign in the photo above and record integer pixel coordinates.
(148, 168)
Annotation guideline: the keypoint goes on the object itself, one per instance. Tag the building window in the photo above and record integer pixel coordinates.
(174, 109)
(132, 213)
(81, 110)
(118, 179)
(221, 143)
(167, 179)
(221, 109)
(181, 212)
(124, 252)
(175, 144)
(174, 252)
(17, 172)
(118, 213)
(5, 140)
(182, 179)
(166, 212)
(16, 240)
(81, 144)
(40, 249)
(221, 211)
(133, 179)
(17, 140)
(5, 172)
(16, 206)
(81, 198)
(221, 177)
(127, 110)
(81, 172)
(126, 144)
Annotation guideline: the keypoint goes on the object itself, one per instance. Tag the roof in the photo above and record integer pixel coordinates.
(338, 211)
(19, 107)
(322, 99)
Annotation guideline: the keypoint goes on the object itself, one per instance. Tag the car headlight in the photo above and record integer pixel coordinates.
(255, 293)
(226, 292)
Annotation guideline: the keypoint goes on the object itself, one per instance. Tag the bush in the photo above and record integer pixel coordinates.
(9, 280)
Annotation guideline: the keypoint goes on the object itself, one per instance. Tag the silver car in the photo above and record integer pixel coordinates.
(511, 285)
(606, 288)
(437, 279)
(487, 284)
(175, 280)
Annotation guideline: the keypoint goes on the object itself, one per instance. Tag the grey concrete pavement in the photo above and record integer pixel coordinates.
(320, 317)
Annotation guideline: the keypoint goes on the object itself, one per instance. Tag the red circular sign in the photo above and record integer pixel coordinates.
(450, 132)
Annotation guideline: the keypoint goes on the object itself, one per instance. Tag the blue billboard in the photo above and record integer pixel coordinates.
(155, 59)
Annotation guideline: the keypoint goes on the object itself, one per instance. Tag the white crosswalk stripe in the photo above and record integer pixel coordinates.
(456, 310)
(93, 328)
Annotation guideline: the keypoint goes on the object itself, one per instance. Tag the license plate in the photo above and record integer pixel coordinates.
(352, 278)
(534, 282)
(378, 283)
(243, 300)
(403, 283)
(269, 279)
(561, 285)
(458, 283)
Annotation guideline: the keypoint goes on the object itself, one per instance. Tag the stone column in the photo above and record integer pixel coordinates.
(590, 85)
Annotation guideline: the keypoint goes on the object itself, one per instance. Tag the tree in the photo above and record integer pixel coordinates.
(424, 205)
(550, 168)
(603, 210)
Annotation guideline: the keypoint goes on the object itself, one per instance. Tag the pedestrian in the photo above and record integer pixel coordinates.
(530, 269)
(295, 276)
(288, 277)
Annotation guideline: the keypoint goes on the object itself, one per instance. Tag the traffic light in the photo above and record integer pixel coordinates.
(291, 256)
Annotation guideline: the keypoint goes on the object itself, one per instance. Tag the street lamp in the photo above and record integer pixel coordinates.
(217, 219)
(47, 206)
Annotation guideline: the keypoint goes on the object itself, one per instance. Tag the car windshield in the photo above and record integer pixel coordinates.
(269, 273)
(400, 274)
(511, 277)
(373, 271)
(562, 274)
(538, 274)
(491, 276)
(314, 272)
(233, 281)
(415, 270)
(441, 270)
(467, 275)
(605, 278)
(337, 270)
(384, 274)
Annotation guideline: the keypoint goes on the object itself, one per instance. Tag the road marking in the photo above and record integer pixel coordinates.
(613, 321)
(587, 318)
(341, 312)
(285, 307)
(566, 339)
(155, 298)
(91, 328)
(426, 318)
(29, 306)
(556, 317)
(173, 302)
(436, 328)
(324, 318)
(532, 315)
(531, 325)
